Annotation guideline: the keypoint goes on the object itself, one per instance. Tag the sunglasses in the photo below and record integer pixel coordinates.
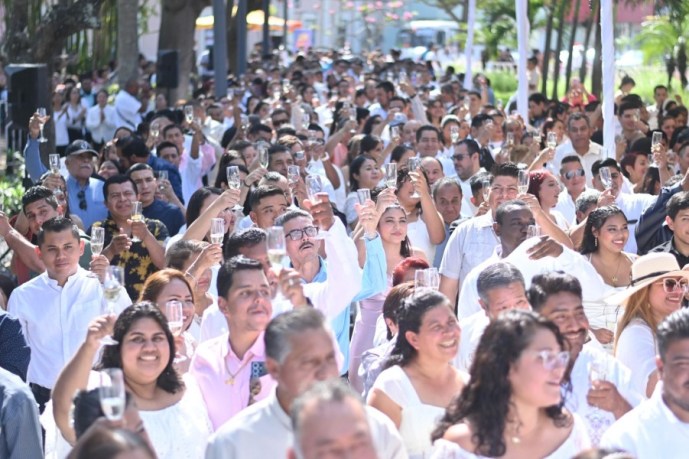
(569, 175)
(671, 285)
(81, 196)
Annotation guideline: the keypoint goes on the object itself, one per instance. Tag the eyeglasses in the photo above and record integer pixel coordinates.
(670, 285)
(458, 157)
(569, 175)
(298, 234)
(81, 196)
(553, 360)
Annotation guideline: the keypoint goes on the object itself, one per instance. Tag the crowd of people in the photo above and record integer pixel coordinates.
(347, 260)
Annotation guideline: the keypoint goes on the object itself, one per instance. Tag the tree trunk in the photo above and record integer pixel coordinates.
(575, 24)
(232, 31)
(127, 41)
(597, 72)
(177, 27)
(558, 46)
(546, 51)
(593, 19)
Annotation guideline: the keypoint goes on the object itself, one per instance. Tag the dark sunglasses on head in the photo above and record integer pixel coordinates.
(569, 175)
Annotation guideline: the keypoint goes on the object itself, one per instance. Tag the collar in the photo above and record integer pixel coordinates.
(71, 279)
(659, 403)
(258, 349)
(277, 411)
(484, 220)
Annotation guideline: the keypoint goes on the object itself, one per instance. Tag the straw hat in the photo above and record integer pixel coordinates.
(646, 270)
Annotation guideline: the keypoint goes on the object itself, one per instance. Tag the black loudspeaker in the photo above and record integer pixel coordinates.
(28, 89)
(168, 68)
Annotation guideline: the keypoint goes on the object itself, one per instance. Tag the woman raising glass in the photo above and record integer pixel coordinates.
(512, 405)
(420, 381)
(173, 411)
(363, 173)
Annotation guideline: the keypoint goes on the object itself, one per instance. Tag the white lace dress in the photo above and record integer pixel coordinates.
(180, 431)
(577, 442)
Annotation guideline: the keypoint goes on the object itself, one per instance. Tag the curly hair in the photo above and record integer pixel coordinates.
(410, 316)
(596, 220)
(168, 380)
(485, 400)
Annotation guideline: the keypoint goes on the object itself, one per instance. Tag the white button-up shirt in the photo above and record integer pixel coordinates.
(567, 207)
(470, 244)
(55, 319)
(264, 430)
(650, 430)
(633, 206)
(594, 154)
(101, 130)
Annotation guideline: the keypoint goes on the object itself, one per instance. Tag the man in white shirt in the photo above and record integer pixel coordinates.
(466, 161)
(428, 144)
(557, 296)
(299, 353)
(659, 427)
(385, 90)
(128, 107)
(101, 120)
(573, 177)
(579, 143)
(474, 240)
(195, 161)
(500, 288)
(55, 308)
(654, 111)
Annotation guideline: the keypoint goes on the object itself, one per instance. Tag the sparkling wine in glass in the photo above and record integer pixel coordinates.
(533, 231)
(233, 177)
(154, 131)
(656, 144)
(174, 312)
(189, 114)
(391, 175)
(112, 288)
(162, 176)
(137, 216)
(263, 156)
(523, 181)
(112, 393)
(97, 240)
(605, 177)
(454, 134)
(42, 116)
(277, 246)
(552, 139)
(54, 160)
(413, 164)
(485, 190)
(314, 185)
(395, 133)
(217, 233)
(293, 174)
(363, 195)
(432, 278)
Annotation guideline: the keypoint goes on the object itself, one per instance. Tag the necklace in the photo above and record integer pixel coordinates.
(233, 376)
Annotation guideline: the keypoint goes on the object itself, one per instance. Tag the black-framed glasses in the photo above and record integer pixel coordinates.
(81, 196)
(569, 175)
(670, 285)
(298, 234)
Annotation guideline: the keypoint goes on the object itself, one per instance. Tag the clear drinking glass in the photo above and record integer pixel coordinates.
(97, 240)
(523, 181)
(363, 194)
(656, 143)
(233, 177)
(277, 246)
(293, 173)
(432, 278)
(391, 175)
(263, 157)
(533, 231)
(217, 232)
(174, 312)
(605, 177)
(137, 216)
(189, 113)
(112, 393)
(413, 164)
(42, 116)
(112, 288)
(551, 140)
(454, 134)
(420, 279)
(162, 175)
(485, 190)
(314, 185)
(395, 133)
(54, 160)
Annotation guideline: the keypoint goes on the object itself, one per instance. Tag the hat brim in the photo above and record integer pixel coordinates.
(78, 152)
(620, 298)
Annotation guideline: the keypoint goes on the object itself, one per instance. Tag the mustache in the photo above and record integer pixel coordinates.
(306, 244)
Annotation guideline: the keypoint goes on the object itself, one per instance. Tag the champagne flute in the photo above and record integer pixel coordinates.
(363, 195)
(54, 160)
(154, 131)
(314, 185)
(485, 190)
(352, 117)
(112, 288)
(413, 165)
(111, 393)
(395, 133)
(97, 240)
(189, 114)
(263, 156)
(533, 231)
(551, 140)
(305, 120)
(277, 246)
(509, 139)
(454, 134)
(137, 216)
(234, 182)
(656, 144)
(162, 175)
(419, 279)
(605, 177)
(293, 174)
(391, 175)
(523, 181)
(537, 138)
(174, 312)
(245, 123)
(432, 278)
(42, 115)
(217, 232)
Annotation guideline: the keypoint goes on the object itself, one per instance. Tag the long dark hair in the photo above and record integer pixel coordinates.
(596, 220)
(410, 315)
(196, 202)
(168, 380)
(355, 168)
(405, 246)
(485, 400)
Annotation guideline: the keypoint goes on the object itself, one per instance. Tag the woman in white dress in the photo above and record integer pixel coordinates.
(363, 173)
(657, 289)
(512, 406)
(424, 224)
(173, 411)
(420, 381)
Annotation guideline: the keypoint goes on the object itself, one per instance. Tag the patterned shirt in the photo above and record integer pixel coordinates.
(136, 261)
